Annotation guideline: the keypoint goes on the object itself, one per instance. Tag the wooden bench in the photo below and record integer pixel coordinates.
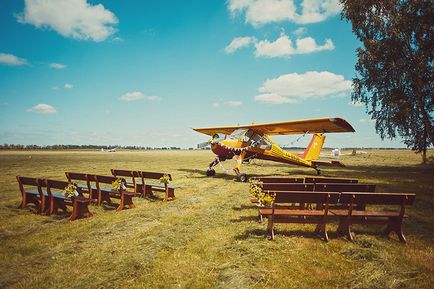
(149, 187)
(284, 214)
(132, 175)
(88, 187)
(31, 193)
(316, 187)
(59, 201)
(105, 193)
(393, 219)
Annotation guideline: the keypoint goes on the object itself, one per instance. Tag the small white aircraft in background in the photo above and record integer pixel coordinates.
(110, 150)
(336, 153)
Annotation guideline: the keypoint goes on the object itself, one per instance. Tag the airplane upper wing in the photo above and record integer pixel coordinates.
(316, 125)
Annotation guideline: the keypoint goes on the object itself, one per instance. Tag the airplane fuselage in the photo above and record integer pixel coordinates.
(227, 149)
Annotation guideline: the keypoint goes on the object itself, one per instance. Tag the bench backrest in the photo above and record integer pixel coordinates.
(105, 179)
(54, 184)
(75, 176)
(287, 187)
(344, 187)
(28, 181)
(377, 198)
(329, 180)
(125, 173)
(153, 175)
(279, 180)
(306, 197)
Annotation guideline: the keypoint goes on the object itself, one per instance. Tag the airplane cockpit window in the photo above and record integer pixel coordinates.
(236, 134)
(260, 142)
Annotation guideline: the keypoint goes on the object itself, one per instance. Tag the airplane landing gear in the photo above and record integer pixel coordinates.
(242, 177)
(210, 172)
(318, 171)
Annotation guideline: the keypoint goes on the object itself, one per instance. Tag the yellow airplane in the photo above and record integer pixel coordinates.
(253, 142)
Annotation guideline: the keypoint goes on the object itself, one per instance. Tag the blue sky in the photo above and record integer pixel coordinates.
(144, 72)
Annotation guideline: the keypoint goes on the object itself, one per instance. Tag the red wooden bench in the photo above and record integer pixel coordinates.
(284, 214)
(59, 201)
(31, 193)
(150, 186)
(106, 192)
(393, 219)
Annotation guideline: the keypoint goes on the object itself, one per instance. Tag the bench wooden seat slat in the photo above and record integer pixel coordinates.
(286, 212)
(32, 191)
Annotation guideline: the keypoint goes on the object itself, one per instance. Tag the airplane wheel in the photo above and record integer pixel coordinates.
(242, 178)
(210, 172)
(318, 172)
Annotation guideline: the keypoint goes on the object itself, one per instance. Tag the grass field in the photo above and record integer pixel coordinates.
(209, 236)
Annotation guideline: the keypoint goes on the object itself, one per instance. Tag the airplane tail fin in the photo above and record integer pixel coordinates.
(314, 148)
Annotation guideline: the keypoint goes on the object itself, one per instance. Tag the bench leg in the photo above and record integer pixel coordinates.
(344, 228)
(126, 200)
(104, 197)
(148, 191)
(270, 227)
(395, 225)
(321, 228)
(80, 209)
(29, 199)
(57, 204)
(170, 194)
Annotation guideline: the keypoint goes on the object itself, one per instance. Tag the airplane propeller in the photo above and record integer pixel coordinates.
(204, 144)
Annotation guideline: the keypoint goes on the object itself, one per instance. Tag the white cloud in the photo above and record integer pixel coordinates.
(57, 65)
(356, 103)
(130, 96)
(70, 18)
(294, 87)
(43, 108)
(283, 47)
(12, 60)
(239, 42)
(260, 12)
(137, 95)
(233, 102)
(68, 86)
(216, 104)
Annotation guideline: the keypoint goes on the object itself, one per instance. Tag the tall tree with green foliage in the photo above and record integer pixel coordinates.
(395, 67)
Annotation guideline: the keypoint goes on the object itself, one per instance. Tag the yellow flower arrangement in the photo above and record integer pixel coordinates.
(255, 188)
(70, 191)
(165, 179)
(118, 185)
(266, 199)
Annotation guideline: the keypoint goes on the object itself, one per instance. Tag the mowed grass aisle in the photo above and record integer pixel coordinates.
(209, 236)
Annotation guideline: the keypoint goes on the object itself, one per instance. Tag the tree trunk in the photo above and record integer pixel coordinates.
(424, 156)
